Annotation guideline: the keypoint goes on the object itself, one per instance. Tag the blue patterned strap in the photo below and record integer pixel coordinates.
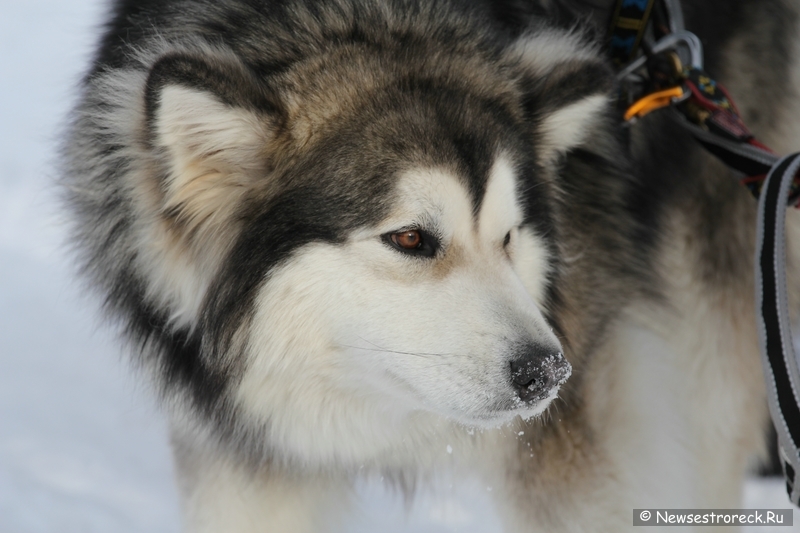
(628, 25)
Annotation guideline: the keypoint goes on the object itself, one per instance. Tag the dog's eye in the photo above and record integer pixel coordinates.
(408, 240)
(507, 239)
(413, 242)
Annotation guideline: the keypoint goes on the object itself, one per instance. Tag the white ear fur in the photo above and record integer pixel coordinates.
(214, 156)
(198, 123)
(544, 50)
(569, 126)
(545, 54)
(215, 152)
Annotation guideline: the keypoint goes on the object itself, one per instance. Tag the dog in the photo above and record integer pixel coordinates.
(340, 237)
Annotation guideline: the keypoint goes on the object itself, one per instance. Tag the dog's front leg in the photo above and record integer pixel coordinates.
(221, 495)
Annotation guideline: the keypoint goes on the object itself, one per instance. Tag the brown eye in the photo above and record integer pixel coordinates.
(416, 242)
(408, 240)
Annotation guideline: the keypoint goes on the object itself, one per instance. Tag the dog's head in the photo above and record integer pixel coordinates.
(364, 238)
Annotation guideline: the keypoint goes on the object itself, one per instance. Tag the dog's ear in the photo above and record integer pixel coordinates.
(210, 125)
(567, 89)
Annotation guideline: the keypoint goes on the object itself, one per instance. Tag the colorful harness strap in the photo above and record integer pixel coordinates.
(720, 129)
(627, 29)
(709, 113)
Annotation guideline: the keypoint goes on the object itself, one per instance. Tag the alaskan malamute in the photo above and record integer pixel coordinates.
(342, 236)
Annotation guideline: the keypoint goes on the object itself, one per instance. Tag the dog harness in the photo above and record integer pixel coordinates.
(661, 65)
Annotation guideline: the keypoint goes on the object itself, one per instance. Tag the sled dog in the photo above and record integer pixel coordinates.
(342, 236)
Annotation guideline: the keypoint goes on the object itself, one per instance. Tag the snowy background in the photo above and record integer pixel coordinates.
(82, 447)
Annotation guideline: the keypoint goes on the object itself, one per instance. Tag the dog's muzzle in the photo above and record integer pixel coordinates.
(537, 371)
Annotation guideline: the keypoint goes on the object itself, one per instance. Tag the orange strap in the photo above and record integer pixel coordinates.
(653, 101)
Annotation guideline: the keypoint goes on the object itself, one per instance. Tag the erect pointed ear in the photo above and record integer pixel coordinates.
(210, 125)
(568, 90)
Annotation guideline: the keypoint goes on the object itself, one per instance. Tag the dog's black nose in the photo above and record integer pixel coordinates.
(537, 370)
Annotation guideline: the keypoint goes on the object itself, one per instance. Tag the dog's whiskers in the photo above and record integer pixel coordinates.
(378, 348)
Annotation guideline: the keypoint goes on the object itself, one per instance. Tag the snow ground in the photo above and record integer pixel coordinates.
(82, 447)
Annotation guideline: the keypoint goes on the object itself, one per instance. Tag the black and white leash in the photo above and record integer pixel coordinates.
(774, 328)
